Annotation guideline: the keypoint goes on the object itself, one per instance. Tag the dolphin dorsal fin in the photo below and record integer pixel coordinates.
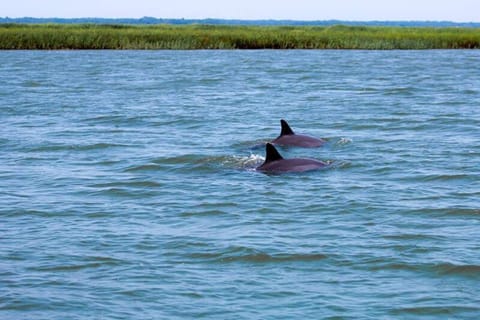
(286, 130)
(272, 153)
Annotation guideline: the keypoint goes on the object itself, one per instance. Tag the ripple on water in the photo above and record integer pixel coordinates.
(82, 262)
(444, 310)
(249, 255)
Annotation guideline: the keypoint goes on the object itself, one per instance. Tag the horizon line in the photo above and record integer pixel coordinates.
(237, 19)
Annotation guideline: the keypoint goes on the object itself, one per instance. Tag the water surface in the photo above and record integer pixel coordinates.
(128, 188)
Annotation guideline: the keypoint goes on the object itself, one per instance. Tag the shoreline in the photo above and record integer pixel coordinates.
(15, 36)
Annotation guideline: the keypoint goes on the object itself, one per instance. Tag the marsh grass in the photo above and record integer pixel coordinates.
(93, 36)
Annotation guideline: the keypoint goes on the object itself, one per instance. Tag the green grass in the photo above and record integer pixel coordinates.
(92, 36)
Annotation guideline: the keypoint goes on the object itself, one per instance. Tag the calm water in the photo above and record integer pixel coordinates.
(128, 189)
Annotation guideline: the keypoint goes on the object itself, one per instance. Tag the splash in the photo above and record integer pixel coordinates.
(343, 141)
(249, 162)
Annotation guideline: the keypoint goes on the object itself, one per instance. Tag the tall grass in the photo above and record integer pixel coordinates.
(92, 36)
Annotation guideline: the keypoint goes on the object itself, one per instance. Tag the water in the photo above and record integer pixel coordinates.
(128, 188)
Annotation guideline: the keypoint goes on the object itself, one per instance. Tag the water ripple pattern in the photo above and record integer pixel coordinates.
(128, 185)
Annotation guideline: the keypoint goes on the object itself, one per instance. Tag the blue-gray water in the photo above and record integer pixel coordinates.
(127, 188)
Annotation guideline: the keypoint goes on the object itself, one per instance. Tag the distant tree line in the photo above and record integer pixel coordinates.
(152, 20)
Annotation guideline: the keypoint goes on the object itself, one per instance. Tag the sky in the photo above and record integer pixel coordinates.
(354, 10)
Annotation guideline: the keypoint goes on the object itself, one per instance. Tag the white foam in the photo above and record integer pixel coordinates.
(343, 141)
(243, 162)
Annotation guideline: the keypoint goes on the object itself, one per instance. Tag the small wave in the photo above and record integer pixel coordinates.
(241, 254)
(447, 211)
(466, 211)
(97, 146)
(113, 119)
(470, 91)
(144, 167)
(462, 211)
(467, 270)
(211, 212)
(444, 269)
(445, 177)
(23, 305)
(15, 195)
(396, 266)
(90, 262)
(73, 267)
(165, 163)
(31, 84)
(68, 147)
(123, 192)
(205, 209)
(440, 310)
(12, 212)
(133, 184)
(400, 90)
(409, 236)
(265, 258)
(183, 159)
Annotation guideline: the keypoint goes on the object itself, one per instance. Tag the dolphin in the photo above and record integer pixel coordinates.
(275, 163)
(289, 138)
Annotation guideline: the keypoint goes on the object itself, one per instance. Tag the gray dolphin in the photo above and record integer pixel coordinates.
(275, 163)
(289, 138)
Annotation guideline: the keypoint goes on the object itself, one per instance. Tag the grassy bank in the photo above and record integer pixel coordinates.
(91, 36)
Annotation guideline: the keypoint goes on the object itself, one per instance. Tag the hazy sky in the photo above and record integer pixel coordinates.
(452, 10)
